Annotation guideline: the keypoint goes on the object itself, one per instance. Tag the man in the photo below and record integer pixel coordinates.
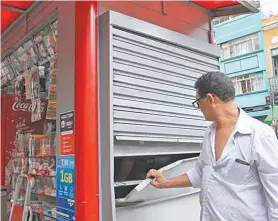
(237, 169)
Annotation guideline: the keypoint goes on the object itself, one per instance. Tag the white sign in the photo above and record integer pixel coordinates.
(274, 40)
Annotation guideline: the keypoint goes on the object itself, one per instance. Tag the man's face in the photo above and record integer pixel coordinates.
(207, 106)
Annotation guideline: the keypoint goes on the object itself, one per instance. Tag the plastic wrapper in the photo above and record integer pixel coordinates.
(6, 70)
(50, 41)
(36, 206)
(51, 107)
(28, 80)
(23, 143)
(23, 58)
(19, 87)
(20, 165)
(41, 71)
(29, 48)
(40, 45)
(36, 101)
(43, 146)
(15, 63)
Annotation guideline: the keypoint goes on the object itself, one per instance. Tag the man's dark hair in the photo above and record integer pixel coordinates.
(216, 83)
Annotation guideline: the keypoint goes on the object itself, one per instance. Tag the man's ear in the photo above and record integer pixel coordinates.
(211, 98)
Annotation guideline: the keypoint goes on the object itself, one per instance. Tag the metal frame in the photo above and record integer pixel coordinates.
(42, 25)
(227, 11)
(29, 36)
(12, 8)
(22, 16)
(148, 148)
(146, 203)
(245, 6)
(26, 205)
(106, 146)
(148, 29)
(250, 5)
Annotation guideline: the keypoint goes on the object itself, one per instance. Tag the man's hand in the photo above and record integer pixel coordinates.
(159, 180)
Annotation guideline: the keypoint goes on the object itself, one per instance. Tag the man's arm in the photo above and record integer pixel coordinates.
(191, 178)
(267, 163)
(180, 181)
(160, 181)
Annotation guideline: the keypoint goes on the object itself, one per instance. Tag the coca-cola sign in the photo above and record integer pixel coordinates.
(24, 106)
(17, 119)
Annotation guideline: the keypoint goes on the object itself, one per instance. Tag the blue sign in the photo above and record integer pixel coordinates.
(65, 202)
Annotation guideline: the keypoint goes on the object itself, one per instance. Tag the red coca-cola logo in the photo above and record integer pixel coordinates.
(21, 106)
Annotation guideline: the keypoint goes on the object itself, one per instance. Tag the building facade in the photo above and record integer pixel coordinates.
(242, 57)
(270, 29)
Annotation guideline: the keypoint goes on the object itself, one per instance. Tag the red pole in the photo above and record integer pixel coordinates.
(86, 112)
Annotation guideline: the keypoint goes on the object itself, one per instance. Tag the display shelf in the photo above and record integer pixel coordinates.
(40, 175)
(47, 195)
(30, 64)
(45, 215)
(49, 216)
(49, 156)
(36, 175)
(20, 157)
(44, 62)
(38, 49)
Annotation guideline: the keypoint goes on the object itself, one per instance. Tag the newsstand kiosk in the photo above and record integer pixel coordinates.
(93, 95)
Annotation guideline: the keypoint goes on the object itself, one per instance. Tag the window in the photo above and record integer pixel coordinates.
(220, 20)
(274, 53)
(241, 46)
(248, 83)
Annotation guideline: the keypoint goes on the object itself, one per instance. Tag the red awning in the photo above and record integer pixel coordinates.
(11, 10)
(211, 5)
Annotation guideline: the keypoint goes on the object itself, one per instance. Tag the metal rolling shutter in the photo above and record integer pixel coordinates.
(146, 87)
(153, 88)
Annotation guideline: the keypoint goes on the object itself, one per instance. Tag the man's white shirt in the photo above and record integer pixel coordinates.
(243, 184)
